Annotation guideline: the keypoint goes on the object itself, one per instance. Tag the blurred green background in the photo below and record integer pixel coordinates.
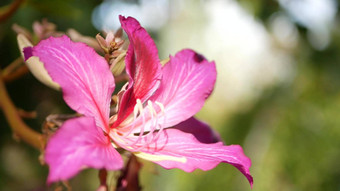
(277, 92)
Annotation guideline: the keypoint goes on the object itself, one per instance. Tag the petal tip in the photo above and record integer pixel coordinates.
(129, 24)
(28, 52)
(122, 18)
(199, 57)
(246, 164)
(251, 181)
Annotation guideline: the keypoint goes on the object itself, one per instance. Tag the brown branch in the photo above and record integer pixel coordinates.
(17, 74)
(19, 128)
(14, 71)
(10, 10)
(12, 66)
(26, 114)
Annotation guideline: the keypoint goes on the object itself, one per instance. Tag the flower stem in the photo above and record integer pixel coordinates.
(8, 12)
(19, 128)
(14, 71)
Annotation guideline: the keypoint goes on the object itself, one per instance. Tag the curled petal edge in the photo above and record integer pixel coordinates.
(177, 149)
(34, 65)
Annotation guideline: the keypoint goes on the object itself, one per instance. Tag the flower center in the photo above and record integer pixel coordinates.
(145, 125)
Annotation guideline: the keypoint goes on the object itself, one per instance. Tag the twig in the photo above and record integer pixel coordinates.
(14, 71)
(26, 114)
(19, 128)
(10, 10)
(12, 66)
(16, 74)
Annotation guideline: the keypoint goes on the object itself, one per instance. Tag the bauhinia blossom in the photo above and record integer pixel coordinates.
(154, 118)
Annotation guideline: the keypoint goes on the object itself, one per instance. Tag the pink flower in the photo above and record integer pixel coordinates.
(154, 119)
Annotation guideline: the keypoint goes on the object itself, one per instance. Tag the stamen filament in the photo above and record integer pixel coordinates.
(150, 129)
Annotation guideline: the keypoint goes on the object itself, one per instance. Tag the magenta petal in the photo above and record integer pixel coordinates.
(79, 144)
(188, 80)
(202, 131)
(142, 62)
(83, 75)
(142, 66)
(188, 154)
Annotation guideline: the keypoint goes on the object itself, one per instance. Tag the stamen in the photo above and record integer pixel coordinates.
(141, 133)
(138, 109)
(152, 137)
(117, 139)
(161, 106)
(153, 126)
(153, 116)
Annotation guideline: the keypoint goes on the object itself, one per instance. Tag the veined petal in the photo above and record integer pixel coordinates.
(142, 62)
(142, 65)
(177, 149)
(79, 144)
(188, 79)
(84, 76)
